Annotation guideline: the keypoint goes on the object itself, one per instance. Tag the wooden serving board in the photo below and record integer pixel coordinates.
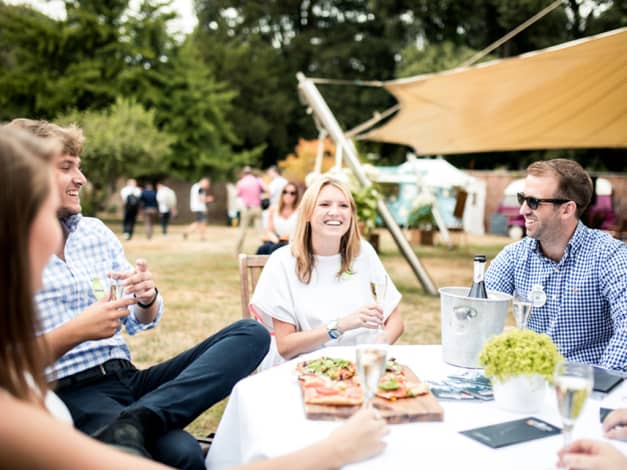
(405, 410)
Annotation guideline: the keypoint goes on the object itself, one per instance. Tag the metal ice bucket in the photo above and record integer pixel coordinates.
(468, 322)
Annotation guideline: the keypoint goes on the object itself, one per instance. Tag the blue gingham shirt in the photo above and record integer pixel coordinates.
(91, 251)
(586, 294)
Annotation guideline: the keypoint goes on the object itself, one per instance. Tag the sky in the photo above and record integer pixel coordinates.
(185, 8)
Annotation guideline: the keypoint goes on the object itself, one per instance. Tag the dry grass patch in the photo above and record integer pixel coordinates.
(200, 284)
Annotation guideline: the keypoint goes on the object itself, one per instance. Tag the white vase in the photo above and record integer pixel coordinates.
(520, 394)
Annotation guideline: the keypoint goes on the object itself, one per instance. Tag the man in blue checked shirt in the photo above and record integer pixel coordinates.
(141, 410)
(579, 273)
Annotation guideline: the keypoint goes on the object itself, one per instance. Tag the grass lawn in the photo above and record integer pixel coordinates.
(200, 284)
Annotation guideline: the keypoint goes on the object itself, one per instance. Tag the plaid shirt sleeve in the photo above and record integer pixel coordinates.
(613, 278)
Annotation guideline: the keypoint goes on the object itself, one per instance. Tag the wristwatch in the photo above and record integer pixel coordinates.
(333, 330)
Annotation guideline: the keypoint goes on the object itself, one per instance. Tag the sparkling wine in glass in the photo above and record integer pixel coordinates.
(573, 385)
(371, 362)
(379, 290)
(522, 305)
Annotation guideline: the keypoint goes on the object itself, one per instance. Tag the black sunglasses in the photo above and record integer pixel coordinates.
(292, 193)
(534, 202)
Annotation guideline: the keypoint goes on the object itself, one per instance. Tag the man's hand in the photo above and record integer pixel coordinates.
(138, 282)
(615, 424)
(102, 319)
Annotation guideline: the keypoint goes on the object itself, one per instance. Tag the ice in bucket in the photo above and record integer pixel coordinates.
(468, 322)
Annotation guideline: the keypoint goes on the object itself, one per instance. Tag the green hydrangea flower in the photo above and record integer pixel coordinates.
(519, 352)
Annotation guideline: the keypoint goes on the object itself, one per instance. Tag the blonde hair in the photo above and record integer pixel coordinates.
(301, 243)
(70, 138)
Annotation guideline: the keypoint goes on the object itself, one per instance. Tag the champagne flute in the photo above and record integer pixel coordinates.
(521, 306)
(379, 291)
(371, 361)
(573, 384)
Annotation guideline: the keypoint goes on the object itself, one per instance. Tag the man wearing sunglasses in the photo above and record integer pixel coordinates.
(579, 275)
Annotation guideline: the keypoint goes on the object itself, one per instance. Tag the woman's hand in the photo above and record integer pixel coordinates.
(587, 454)
(360, 437)
(367, 316)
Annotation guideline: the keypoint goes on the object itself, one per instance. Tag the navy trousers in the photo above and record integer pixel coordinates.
(177, 390)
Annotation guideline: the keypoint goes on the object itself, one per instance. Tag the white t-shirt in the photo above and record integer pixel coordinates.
(284, 227)
(274, 189)
(166, 198)
(280, 294)
(197, 202)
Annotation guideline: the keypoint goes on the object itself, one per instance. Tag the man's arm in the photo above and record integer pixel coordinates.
(98, 321)
(500, 273)
(613, 281)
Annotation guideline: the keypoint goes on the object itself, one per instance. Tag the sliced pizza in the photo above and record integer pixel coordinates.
(320, 390)
(335, 369)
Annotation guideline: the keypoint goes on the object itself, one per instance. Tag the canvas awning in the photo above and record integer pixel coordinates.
(567, 96)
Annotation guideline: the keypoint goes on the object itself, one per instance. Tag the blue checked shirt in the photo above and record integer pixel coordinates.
(586, 294)
(91, 251)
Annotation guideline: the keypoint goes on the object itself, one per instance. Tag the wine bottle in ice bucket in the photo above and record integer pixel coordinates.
(478, 285)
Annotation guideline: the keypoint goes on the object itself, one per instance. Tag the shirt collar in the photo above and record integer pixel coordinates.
(70, 223)
(576, 240)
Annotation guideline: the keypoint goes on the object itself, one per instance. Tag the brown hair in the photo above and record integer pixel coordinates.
(71, 138)
(296, 196)
(301, 245)
(25, 180)
(574, 183)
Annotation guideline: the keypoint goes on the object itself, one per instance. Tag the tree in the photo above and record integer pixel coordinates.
(122, 140)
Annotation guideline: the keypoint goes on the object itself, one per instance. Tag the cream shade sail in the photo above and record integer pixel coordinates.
(568, 96)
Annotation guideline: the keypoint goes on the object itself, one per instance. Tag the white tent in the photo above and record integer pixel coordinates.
(440, 178)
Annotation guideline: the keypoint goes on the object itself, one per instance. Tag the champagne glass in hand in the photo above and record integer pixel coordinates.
(379, 291)
(371, 361)
(573, 384)
(522, 305)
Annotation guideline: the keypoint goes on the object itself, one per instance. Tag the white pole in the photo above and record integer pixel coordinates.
(321, 110)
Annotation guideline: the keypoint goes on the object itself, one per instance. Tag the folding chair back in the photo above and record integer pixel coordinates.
(250, 267)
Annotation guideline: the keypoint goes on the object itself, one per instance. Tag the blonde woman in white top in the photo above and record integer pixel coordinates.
(316, 291)
(282, 219)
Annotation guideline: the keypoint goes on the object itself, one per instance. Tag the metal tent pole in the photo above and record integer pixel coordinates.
(320, 108)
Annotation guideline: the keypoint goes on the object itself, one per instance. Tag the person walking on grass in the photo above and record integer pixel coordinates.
(166, 198)
(249, 190)
(198, 198)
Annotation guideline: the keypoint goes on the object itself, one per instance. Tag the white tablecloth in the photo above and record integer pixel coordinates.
(265, 418)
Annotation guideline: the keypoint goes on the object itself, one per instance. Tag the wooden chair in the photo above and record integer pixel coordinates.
(250, 267)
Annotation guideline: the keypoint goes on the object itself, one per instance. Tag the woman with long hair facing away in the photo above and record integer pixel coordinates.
(35, 429)
(282, 218)
(317, 291)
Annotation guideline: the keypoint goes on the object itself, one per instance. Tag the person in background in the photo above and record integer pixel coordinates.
(166, 198)
(198, 198)
(316, 291)
(587, 454)
(276, 185)
(579, 274)
(35, 429)
(282, 219)
(149, 208)
(146, 410)
(130, 199)
(249, 190)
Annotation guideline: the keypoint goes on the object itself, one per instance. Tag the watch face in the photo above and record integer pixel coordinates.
(334, 334)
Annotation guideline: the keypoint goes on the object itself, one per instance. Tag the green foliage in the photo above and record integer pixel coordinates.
(434, 58)
(421, 217)
(366, 206)
(122, 140)
(520, 352)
